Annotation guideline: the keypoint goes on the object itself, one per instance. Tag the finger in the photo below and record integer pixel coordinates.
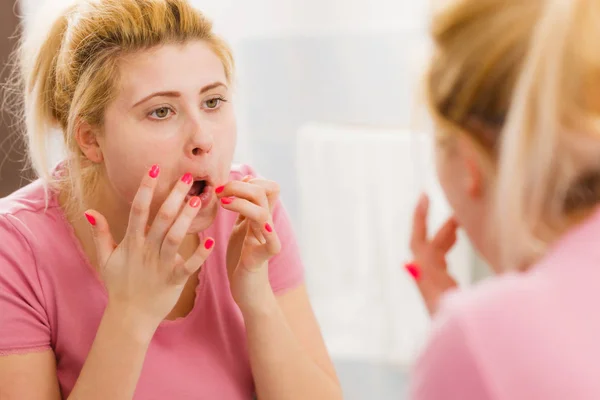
(140, 207)
(184, 270)
(429, 291)
(247, 209)
(257, 231)
(271, 188)
(254, 228)
(262, 253)
(419, 228)
(103, 239)
(169, 210)
(245, 190)
(273, 244)
(445, 238)
(177, 232)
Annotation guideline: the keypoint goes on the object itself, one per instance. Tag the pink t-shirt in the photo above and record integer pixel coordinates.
(522, 336)
(51, 298)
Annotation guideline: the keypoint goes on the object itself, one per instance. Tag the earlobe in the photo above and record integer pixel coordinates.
(86, 138)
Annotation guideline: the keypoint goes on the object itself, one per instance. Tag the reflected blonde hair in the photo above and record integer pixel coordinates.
(521, 79)
(72, 74)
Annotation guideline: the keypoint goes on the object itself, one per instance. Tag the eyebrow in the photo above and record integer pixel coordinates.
(177, 94)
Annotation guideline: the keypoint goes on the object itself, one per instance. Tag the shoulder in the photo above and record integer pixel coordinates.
(477, 334)
(29, 200)
(27, 219)
(497, 311)
(520, 300)
(498, 295)
(28, 239)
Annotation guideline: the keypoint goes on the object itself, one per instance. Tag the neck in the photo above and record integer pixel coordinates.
(112, 208)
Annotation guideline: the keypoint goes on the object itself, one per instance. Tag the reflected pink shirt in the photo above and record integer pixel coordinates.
(51, 298)
(527, 336)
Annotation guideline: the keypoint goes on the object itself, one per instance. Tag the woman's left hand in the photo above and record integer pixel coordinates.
(253, 240)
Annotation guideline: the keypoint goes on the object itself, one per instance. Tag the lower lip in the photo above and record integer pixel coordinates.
(205, 197)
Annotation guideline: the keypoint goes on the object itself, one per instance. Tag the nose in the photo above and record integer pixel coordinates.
(201, 141)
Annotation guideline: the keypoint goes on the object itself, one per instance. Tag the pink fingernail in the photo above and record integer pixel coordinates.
(219, 189)
(154, 171)
(195, 201)
(268, 228)
(90, 219)
(414, 270)
(187, 178)
(226, 200)
(209, 244)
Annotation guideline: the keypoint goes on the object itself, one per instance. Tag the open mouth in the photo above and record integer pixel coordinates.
(200, 188)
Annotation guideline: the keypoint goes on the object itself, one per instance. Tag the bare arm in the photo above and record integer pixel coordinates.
(287, 354)
(114, 364)
(111, 370)
(29, 377)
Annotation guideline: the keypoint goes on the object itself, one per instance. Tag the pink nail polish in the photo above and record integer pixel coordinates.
(414, 270)
(90, 219)
(268, 228)
(209, 244)
(187, 178)
(219, 189)
(226, 200)
(195, 201)
(154, 171)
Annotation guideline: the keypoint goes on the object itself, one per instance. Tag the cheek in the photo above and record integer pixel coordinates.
(228, 128)
(124, 175)
(128, 157)
(443, 169)
(225, 141)
(449, 179)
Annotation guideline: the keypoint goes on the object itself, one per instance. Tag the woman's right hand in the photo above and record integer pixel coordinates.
(429, 267)
(144, 275)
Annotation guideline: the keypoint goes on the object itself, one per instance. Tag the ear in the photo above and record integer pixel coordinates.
(87, 139)
(474, 178)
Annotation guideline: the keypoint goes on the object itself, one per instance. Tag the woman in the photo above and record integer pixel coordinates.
(514, 89)
(143, 265)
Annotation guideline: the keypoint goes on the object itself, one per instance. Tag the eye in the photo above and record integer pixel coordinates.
(214, 103)
(161, 113)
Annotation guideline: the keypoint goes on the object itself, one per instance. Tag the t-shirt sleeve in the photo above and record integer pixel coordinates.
(286, 270)
(24, 325)
(448, 367)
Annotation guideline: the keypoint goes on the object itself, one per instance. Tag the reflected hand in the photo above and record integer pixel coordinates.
(429, 267)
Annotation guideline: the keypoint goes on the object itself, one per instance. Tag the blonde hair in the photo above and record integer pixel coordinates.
(521, 80)
(73, 74)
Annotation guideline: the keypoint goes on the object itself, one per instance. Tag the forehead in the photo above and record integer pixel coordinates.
(171, 67)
